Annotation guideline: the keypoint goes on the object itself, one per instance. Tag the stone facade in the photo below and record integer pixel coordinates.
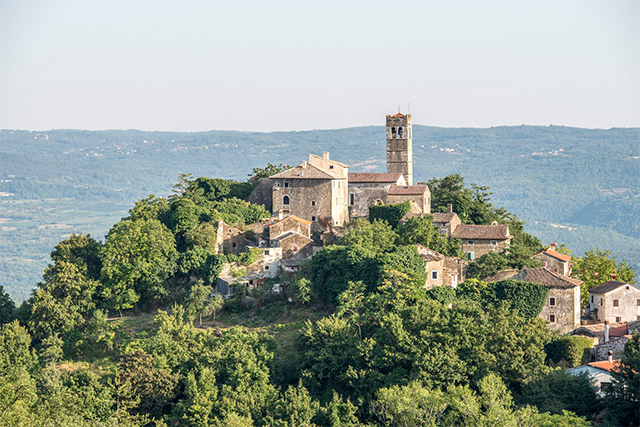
(554, 261)
(230, 240)
(478, 240)
(316, 190)
(600, 352)
(615, 301)
(442, 270)
(562, 307)
(418, 194)
(446, 222)
(366, 189)
(400, 146)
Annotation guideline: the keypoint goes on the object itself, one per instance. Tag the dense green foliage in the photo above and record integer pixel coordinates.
(597, 267)
(527, 298)
(569, 351)
(391, 214)
(623, 395)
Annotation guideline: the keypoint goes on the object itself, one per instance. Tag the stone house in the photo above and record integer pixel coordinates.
(442, 270)
(615, 302)
(366, 189)
(562, 308)
(554, 261)
(420, 195)
(230, 239)
(446, 222)
(613, 348)
(603, 332)
(316, 190)
(478, 240)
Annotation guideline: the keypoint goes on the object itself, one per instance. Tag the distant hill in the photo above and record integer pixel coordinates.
(575, 186)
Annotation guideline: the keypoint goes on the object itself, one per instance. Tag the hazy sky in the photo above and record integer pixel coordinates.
(293, 65)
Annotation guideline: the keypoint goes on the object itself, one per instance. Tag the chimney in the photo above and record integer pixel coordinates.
(606, 331)
(280, 214)
(613, 276)
(325, 156)
(449, 208)
(610, 356)
(553, 246)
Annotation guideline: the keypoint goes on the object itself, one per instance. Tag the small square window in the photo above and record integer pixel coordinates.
(313, 203)
(434, 275)
(469, 242)
(618, 319)
(286, 185)
(470, 255)
(552, 301)
(266, 267)
(616, 303)
(266, 251)
(494, 243)
(234, 244)
(330, 166)
(552, 318)
(313, 218)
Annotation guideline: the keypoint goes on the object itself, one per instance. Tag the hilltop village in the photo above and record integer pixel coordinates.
(322, 297)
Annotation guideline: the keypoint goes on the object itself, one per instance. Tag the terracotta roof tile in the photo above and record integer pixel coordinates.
(374, 177)
(407, 190)
(607, 287)
(548, 278)
(557, 255)
(483, 232)
(605, 365)
(442, 217)
(304, 221)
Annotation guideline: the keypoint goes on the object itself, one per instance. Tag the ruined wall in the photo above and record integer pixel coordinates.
(553, 264)
(601, 351)
(365, 195)
(295, 246)
(421, 200)
(288, 224)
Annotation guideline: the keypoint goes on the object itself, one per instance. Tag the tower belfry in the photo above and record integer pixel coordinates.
(400, 146)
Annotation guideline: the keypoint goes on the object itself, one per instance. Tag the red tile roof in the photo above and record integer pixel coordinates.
(407, 190)
(481, 232)
(605, 365)
(607, 287)
(374, 177)
(557, 255)
(304, 221)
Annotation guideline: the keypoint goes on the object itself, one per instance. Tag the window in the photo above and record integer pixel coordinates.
(234, 244)
(400, 132)
(494, 243)
(592, 300)
(600, 301)
(313, 218)
(330, 166)
(266, 252)
(638, 302)
(552, 318)
(393, 132)
(469, 242)
(313, 203)
(294, 248)
(552, 301)
(618, 319)
(470, 255)
(604, 385)
(266, 267)
(434, 275)
(285, 200)
(352, 199)
(286, 185)
(277, 184)
(616, 303)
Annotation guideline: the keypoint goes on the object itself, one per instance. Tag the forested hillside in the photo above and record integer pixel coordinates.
(577, 186)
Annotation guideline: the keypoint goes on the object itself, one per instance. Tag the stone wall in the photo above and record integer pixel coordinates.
(482, 247)
(261, 195)
(601, 351)
(566, 309)
(288, 224)
(553, 264)
(435, 266)
(627, 310)
(296, 246)
(422, 201)
(365, 195)
(230, 240)
(309, 199)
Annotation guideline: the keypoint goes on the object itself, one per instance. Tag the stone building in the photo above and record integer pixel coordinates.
(230, 239)
(292, 235)
(442, 270)
(400, 146)
(366, 189)
(613, 348)
(562, 308)
(316, 190)
(446, 222)
(420, 195)
(615, 302)
(478, 240)
(554, 261)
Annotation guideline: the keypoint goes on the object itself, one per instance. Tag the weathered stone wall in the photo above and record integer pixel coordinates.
(422, 201)
(340, 209)
(309, 199)
(482, 247)
(230, 240)
(454, 271)
(296, 246)
(601, 351)
(261, 195)
(566, 309)
(553, 264)
(365, 195)
(436, 266)
(400, 146)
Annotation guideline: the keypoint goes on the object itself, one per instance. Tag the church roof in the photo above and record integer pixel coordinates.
(375, 177)
(306, 171)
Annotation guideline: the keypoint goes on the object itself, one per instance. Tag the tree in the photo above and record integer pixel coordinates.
(198, 300)
(138, 257)
(597, 267)
(151, 207)
(421, 230)
(392, 214)
(525, 297)
(7, 307)
(183, 215)
(376, 236)
(623, 395)
(267, 171)
(200, 399)
(409, 405)
(515, 256)
(82, 250)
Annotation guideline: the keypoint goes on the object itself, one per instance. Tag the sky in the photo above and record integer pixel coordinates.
(297, 65)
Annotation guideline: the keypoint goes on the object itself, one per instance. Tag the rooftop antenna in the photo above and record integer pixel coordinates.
(398, 108)
(409, 112)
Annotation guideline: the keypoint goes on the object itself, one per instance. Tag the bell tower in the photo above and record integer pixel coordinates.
(400, 146)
